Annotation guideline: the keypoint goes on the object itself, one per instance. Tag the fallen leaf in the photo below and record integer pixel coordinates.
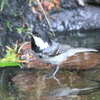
(48, 5)
(51, 5)
(56, 1)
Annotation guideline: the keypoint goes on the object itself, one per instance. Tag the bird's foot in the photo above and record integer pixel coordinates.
(52, 73)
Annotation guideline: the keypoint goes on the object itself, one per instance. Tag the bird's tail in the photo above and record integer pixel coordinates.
(73, 51)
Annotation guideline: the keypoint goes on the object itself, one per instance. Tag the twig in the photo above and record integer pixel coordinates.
(30, 2)
(22, 46)
(45, 16)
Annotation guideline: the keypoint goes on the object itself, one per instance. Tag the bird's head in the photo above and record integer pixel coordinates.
(39, 40)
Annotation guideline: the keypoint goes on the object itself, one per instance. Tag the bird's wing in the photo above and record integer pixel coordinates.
(56, 49)
(71, 51)
(64, 48)
(52, 50)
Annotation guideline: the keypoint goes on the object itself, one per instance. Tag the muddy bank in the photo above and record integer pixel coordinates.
(72, 16)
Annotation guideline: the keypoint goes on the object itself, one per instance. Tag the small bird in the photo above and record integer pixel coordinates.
(51, 52)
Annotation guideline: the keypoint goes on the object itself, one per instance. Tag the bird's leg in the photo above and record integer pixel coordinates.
(52, 73)
(54, 70)
(57, 80)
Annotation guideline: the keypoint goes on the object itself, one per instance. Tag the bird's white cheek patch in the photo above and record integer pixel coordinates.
(40, 43)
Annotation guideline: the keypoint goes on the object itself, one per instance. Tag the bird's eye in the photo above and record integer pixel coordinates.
(36, 34)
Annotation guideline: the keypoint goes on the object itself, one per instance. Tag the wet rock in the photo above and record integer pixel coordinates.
(77, 19)
(81, 61)
(70, 17)
(66, 4)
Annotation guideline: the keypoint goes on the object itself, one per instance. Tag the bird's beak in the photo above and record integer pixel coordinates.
(30, 33)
